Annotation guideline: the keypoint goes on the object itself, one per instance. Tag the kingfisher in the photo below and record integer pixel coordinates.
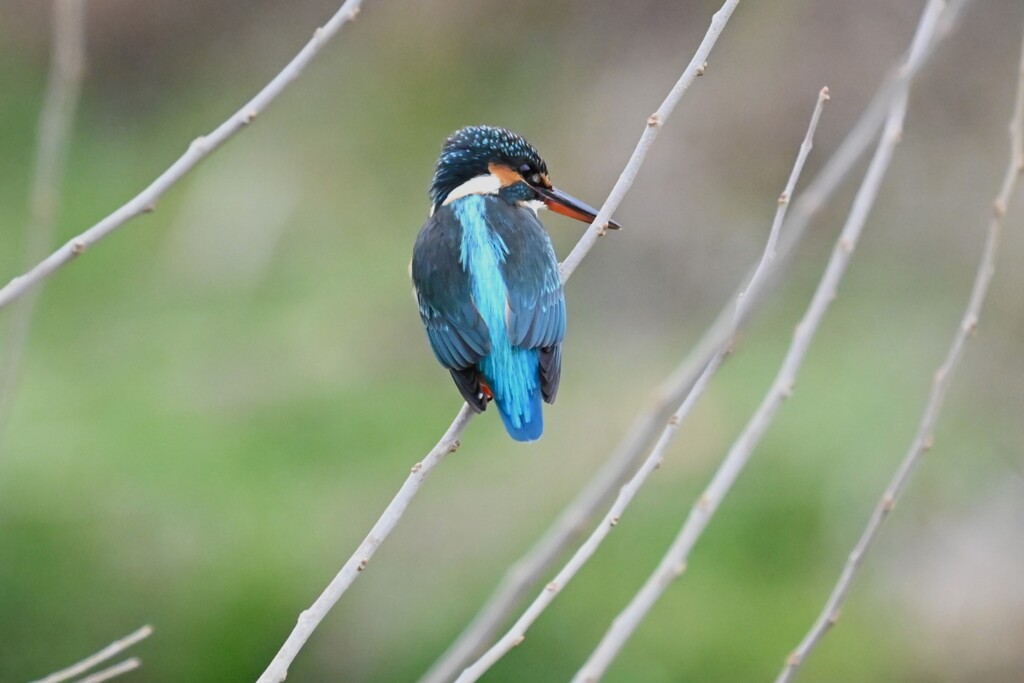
(486, 275)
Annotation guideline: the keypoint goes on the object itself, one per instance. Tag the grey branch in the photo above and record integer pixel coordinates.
(113, 671)
(520, 578)
(92, 661)
(940, 384)
(67, 61)
(769, 258)
(309, 619)
(655, 121)
(200, 148)
(674, 562)
(517, 633)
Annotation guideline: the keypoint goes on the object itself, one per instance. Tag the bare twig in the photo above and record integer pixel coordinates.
(940, 384)
(109, 652)
(570, 525)
(67, 60)
(113, 671)
(768, 259)
(673, 564)
(655, 121)
(517, 633)
(309, 619)
(200, 148)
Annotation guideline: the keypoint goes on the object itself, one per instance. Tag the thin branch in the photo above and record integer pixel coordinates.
(109, 652)
(309, 619)
(517, 633)
(570, 525)
(67, 62)
(768, 259)
(940, 384)
(113, 671)
(673, 564)
(200, 148)
(655, 121)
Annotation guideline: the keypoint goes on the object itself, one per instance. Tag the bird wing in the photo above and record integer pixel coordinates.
(457, 334)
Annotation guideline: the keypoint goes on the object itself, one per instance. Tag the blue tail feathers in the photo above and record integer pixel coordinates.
(527, 426)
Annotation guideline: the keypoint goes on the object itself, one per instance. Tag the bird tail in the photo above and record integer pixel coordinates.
(527, 425)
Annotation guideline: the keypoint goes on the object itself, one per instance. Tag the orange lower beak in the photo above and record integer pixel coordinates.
(567, 205)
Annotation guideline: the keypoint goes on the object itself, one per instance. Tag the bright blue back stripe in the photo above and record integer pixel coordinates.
(511, 372)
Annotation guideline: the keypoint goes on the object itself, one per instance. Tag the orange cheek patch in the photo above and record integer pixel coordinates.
(505, 175)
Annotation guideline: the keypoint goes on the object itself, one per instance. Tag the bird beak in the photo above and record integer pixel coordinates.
(567, 205)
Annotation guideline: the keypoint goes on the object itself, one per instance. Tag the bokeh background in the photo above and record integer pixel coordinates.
(219, 400)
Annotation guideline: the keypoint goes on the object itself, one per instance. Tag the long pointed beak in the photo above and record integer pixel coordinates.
(567, 205)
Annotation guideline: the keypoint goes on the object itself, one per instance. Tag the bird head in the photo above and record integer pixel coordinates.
(490, 160)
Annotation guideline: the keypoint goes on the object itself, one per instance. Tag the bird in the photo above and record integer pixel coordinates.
(486, 277)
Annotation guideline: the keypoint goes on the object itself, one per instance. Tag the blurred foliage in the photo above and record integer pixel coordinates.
(220, 399)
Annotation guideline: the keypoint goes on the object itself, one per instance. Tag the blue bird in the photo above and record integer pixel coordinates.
(486, 275)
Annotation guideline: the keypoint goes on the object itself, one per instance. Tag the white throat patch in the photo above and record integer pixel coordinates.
(534, 204)
(482, 184)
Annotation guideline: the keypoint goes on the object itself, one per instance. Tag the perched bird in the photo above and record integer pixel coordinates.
(486, 275)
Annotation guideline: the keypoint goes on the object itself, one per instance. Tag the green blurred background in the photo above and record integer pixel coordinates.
(220, 399)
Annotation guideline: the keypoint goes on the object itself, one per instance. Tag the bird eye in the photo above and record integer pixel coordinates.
(524, 169)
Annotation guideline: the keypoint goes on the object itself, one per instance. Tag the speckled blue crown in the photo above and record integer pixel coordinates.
(468, 151)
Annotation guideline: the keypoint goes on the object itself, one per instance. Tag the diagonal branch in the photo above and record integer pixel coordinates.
(673, 564)
(940, 384)
(655, 121)
(519, 579)
(109, 652)
(517, 633)
(770, 257)
(112, 671)
(311, 617)
(56, 118)
(200, 148)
